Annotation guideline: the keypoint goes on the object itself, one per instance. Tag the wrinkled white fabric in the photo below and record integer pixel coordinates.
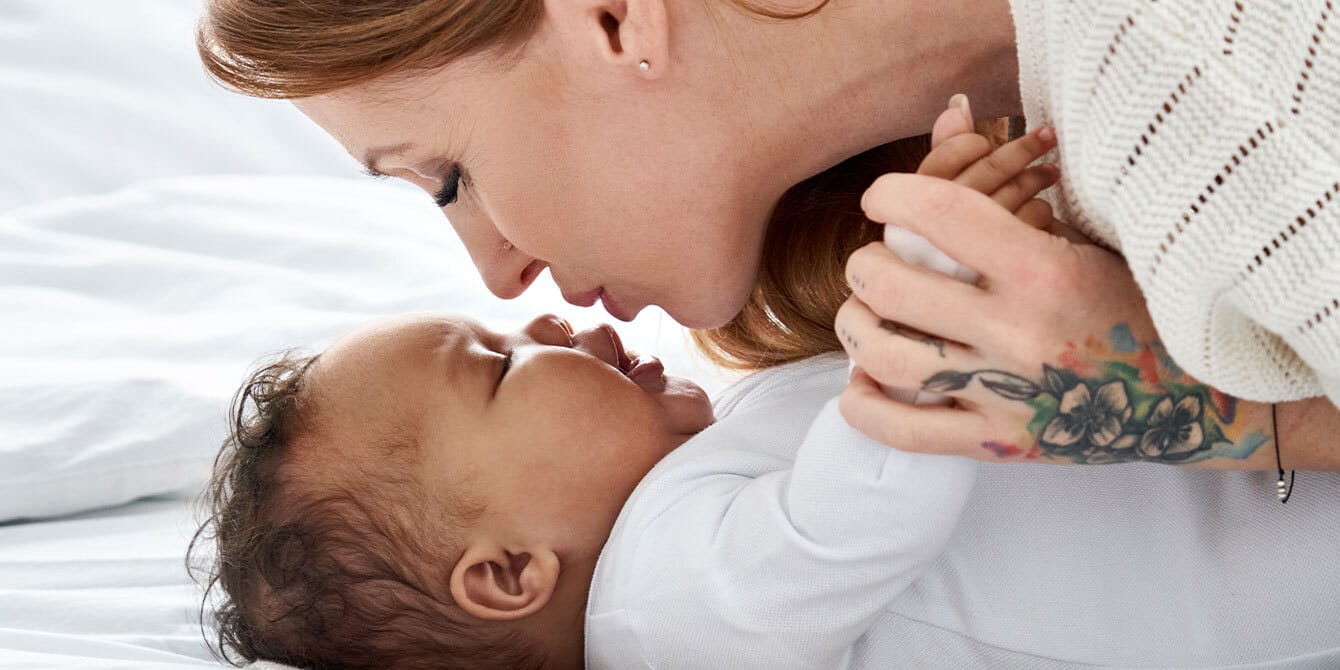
(781, 538)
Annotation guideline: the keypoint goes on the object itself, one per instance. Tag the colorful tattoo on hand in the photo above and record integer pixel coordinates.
(1115, 402)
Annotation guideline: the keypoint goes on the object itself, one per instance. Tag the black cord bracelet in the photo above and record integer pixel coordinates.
(1282, 490)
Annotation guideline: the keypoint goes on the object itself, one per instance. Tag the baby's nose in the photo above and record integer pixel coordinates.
(551, 330)
(603, 342)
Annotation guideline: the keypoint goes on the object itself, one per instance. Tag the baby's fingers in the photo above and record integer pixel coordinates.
(955, 155)
(954, 121)
(1036, 213)
(1018, 191)
(1009, 161)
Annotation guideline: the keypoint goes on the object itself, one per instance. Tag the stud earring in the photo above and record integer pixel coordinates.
(507, 246)
(644, 66)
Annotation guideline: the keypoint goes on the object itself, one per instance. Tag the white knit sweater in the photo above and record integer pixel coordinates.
(1202, 138)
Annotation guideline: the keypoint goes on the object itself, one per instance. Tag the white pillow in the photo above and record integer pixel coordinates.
(131, 317)
(95, 95)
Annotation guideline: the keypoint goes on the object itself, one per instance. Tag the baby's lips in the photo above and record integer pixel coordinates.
(623, 355)
(648, 373)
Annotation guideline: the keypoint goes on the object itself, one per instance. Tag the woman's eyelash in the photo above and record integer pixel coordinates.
(450, 186)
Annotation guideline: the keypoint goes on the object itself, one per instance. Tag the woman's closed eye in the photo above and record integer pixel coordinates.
(447, 194)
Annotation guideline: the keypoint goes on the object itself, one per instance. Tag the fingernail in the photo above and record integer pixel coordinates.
(1047, 134)
(960, 102)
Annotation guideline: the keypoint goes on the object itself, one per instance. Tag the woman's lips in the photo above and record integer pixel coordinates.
(589, 298)
(612, 306)
(583, 299)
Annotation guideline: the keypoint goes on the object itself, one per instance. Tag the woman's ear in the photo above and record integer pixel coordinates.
(622, 33)
(495, 584)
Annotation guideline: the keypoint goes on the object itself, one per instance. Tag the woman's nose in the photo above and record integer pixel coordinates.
(551, 330)
(506, 270)
(508, 275)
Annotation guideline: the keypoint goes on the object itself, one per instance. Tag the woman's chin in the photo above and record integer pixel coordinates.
(707, 316)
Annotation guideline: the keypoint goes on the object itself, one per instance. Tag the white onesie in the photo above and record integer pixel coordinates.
(781, 538)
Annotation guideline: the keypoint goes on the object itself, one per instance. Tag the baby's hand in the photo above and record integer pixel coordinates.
(962, 156)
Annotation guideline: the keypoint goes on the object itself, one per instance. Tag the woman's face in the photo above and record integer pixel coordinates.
(633, 190)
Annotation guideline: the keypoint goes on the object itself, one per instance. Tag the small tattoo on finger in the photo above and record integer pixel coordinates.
(847, 338)
(917, 336)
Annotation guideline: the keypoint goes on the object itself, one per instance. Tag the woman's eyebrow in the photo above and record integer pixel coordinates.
(374, 155)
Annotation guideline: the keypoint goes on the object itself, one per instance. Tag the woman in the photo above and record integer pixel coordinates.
(635, 148)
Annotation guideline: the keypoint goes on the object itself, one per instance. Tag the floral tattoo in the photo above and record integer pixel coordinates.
(1110, 404)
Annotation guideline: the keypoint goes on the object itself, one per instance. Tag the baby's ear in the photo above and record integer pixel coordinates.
(492, 583)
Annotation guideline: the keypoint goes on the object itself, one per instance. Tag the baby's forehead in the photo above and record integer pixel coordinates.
(397, 334)
(374, 381)
(382, 349)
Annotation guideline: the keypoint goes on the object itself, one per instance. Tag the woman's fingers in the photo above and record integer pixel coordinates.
(912, 295)
(894, 354)
(918, 428)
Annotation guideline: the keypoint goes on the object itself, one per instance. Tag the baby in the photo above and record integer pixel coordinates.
(428, 493)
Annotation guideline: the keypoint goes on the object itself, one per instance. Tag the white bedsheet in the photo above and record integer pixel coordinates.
(99, 94)
(106, 589)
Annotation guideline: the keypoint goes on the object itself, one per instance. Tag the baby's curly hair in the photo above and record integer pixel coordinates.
(331, 579)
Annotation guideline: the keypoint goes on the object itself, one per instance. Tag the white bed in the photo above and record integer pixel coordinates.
(103, 589)
(158, 235)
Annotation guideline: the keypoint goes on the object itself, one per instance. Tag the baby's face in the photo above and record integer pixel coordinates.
(550, 430)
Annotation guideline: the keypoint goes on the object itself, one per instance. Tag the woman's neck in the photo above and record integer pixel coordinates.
(861, 73)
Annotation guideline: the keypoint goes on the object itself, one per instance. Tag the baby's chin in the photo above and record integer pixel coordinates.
(686, 405)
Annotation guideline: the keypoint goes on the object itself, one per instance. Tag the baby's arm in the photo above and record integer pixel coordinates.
(791, 568)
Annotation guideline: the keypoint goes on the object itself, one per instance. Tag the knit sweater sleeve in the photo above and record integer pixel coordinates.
(1202, 139)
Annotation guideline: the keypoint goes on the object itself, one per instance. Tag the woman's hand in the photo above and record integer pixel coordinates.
(1023, 354)
(1051, 355)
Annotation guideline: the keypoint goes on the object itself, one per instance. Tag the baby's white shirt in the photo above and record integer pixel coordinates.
(781, 538)
(775, 538)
